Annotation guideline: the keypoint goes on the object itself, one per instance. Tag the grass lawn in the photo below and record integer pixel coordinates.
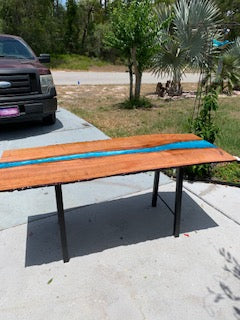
(100, 105)
(77, 62)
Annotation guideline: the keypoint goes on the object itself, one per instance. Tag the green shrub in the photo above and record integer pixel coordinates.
(203, 126)
(74, 62)
(142, 102)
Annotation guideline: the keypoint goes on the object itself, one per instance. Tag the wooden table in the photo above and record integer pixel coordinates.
(83, 161)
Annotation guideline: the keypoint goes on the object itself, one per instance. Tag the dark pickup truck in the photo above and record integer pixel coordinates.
(27, 91)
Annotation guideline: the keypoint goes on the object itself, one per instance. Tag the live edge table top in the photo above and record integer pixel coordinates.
(82, 161)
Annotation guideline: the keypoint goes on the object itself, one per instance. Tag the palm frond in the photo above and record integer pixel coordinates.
(170, 58)
(188, 40)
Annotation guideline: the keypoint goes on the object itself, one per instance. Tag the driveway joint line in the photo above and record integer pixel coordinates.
(211, 205)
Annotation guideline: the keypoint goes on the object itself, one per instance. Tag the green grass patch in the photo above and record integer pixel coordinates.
(228, 121)
(228, 173)
(74, 62)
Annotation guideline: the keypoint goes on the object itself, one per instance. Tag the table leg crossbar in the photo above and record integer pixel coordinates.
(166, 204)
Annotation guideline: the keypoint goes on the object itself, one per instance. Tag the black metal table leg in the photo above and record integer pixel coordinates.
(61, 221)
(178, 202)
(155, 188)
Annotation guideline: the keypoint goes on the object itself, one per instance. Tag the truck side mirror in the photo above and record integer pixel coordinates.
(44, 58)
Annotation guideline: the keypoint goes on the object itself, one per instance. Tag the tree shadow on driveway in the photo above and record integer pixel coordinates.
(107, 225)
(227, 291)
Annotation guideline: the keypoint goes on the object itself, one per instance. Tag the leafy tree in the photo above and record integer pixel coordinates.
(230, 12)
(56, 27)
(72, 29)
(1, 20)
(36, 21)
(134, 31)
(90, 22)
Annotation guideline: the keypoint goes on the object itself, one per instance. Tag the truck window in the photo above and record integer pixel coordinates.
(14, 49)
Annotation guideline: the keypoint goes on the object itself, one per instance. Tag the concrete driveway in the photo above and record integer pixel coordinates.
(125, 263)
(84, 77)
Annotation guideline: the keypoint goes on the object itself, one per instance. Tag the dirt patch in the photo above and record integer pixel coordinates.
(100, 105)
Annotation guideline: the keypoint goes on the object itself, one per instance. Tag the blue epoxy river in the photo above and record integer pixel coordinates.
(195, 144)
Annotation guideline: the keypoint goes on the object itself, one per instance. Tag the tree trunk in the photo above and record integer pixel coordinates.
(175, 88)
(85, 31)
(138, 73)
(130, 64)
(138, 81)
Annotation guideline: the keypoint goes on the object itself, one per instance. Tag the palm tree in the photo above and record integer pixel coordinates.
(186, 37)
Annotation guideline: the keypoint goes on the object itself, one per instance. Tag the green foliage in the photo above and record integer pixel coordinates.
(186, 38)
(203, 125)
(134, 24)
(229, 76)
(38, 22)
(231, 16)
(228, 119)
(91, 24)
(229, 172)
(80, 26)
(225, 71)
(72, 28)
(136, 103)
(198, 172)
(167, 2)
(97, 46)
(134, 31)
(1, 20)
(51, 27)
(74, 62)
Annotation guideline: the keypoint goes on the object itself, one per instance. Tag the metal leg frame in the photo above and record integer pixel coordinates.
(178, 202)
(177, 213)
(61, 221)
(155, 188)
(178, 198)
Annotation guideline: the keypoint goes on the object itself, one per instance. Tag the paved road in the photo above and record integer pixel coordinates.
(79, 77)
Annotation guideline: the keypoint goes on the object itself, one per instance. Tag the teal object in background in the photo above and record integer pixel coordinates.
(217, 43)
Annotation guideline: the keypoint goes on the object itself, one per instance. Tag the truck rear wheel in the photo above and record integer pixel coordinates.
(50, 119)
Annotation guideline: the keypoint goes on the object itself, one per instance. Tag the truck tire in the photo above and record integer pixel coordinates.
(50, 119)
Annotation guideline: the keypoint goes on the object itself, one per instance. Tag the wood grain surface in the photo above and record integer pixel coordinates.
(46, 174)
(133, 142)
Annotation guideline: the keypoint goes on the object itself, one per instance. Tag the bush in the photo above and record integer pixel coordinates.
(142, 102)
(74, 62)
(203, 126)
